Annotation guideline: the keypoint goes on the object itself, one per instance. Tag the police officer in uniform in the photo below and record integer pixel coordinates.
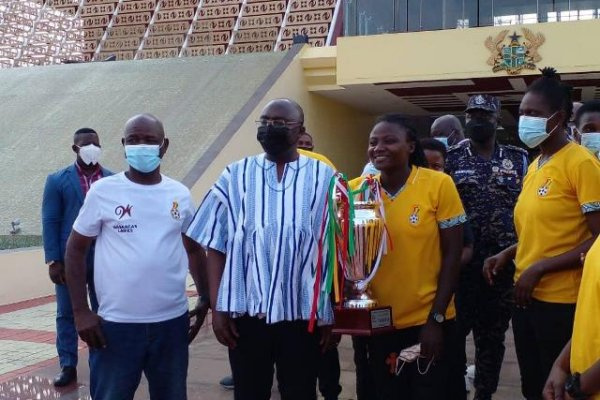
(488, 176)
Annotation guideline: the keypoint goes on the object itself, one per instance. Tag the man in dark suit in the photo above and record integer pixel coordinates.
(63, 197)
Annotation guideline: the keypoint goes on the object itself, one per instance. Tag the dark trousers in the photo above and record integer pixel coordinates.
(485, 310)
(329, 374)
(159, 350)
(260, 347)
(66, 334)
(410, 384)
(541, 332)
(365, 386)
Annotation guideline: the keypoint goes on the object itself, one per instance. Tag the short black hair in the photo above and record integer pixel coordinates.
(81, 131)
(417, 158)
(588, 106)
(556, 94)
(434, 145)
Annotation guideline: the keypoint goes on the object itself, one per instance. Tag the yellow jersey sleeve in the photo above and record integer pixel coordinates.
(450, 211)
(585, 181)
(317, 156)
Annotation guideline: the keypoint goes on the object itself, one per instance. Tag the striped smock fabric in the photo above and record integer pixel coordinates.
(269, 231)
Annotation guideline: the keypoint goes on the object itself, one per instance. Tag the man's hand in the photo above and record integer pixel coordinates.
(555, 385)
(524, 286)
(197, 317)
(225, 329)
(492, 266)
(89, 329)
(432, 340)
(325, 341)
(56, 270)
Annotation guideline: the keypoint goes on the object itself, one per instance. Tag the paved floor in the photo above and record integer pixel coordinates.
(28, 360)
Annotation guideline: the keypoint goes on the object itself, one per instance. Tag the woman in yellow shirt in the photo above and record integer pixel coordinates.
(557, 219)
(418, 275)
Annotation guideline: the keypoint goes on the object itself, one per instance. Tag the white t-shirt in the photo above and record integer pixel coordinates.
(140, 264)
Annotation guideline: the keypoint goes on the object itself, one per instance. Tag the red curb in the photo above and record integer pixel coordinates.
(27, 335)
(27, 304)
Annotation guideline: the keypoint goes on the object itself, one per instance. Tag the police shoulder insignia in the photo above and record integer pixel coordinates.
(507, 164)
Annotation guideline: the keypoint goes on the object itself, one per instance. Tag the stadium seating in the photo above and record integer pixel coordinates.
(50, 31)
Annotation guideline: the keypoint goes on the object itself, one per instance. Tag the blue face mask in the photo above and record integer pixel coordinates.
(143, 157)
(591, 141)
(532, 130)
(442, 139)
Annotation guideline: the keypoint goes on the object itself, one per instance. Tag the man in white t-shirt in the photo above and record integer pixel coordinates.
(137, 218)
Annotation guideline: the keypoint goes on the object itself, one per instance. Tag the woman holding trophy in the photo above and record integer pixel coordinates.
(417, 276)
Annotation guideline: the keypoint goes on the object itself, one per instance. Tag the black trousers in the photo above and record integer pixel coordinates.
(329, 374)
(485, 310)
(411, 384)
(260, 347)
(365, 385)
(541, 332)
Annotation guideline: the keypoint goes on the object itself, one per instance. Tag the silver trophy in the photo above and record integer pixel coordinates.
(369, 245)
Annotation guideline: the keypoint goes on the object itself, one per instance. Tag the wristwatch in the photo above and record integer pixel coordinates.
(573, 387)
(437, 317)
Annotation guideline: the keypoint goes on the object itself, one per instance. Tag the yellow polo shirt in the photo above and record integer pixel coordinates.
(317, 156)
(407, 278)
(585, 343)
(549, 217)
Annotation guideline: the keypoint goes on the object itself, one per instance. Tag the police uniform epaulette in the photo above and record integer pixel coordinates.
(515, 148)
(461, 145)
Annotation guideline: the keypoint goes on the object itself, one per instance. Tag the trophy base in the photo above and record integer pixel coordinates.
(363, 321)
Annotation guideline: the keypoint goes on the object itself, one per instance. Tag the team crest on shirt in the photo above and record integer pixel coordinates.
(413, 219)
(545, 188)
(175, 211)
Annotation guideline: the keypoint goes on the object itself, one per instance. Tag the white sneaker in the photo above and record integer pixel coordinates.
(468, 384)
(471, 372)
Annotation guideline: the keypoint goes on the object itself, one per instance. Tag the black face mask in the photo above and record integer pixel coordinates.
(274, 140)
(480, 130)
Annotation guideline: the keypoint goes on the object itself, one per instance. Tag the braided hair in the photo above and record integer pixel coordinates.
(556, 94)
(417, 157)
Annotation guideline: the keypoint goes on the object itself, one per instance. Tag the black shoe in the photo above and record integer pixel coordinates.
(67, 376)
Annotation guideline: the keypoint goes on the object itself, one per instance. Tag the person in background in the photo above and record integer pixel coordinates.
(489, 177)
(418, 275)
(557, 218)
(573, 132)
(448, 130)
(142, 325)
(587, 121)
(64, 193)
(253, 223)
(305, 142)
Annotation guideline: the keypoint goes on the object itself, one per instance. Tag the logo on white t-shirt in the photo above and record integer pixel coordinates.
(175, 211)
(123, 211)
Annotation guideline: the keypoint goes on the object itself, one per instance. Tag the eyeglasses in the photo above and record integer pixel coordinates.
(277, 123)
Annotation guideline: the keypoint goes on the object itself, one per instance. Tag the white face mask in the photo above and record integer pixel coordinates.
(90, 154)
(591, 141)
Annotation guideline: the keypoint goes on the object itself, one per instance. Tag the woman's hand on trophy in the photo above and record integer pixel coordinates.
(432, 340)
(225, 329)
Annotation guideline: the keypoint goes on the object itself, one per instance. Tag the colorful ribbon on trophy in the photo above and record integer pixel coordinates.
(347, 244)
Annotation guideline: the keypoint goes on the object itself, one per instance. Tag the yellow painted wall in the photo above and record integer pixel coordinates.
(459, 54)
(340, 132)
(24, 276)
